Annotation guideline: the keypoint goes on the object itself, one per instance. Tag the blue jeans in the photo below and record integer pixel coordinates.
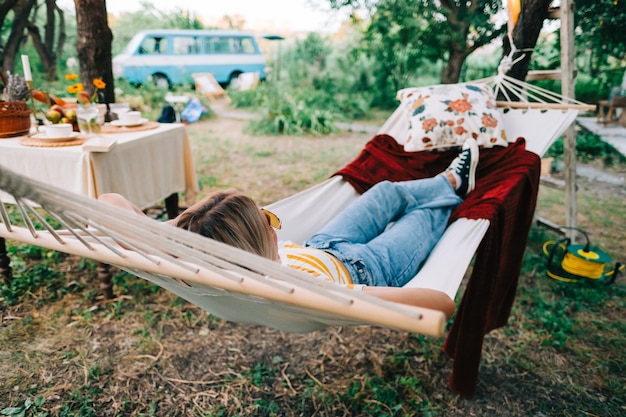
(378, 255)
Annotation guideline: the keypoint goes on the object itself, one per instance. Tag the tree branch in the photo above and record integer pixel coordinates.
(5, 8)
(21, 11)
(62, 35)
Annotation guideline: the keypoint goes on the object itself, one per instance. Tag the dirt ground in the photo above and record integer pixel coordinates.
(153, 354)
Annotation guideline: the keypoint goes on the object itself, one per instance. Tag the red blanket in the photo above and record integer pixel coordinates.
(507, 181)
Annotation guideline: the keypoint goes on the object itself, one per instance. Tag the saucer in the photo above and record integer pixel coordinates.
(119, 123)
(46, 138)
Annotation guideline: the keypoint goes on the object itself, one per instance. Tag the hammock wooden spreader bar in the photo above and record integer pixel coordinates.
(534, 105)
(210, 274)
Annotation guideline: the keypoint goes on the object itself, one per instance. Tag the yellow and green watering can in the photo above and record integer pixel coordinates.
(569, 262)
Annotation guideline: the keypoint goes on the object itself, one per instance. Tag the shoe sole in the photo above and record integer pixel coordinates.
(472, 171)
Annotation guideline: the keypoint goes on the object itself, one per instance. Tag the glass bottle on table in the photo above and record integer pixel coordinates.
(87, 117)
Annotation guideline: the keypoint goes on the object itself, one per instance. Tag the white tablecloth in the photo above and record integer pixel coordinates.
(145, 166)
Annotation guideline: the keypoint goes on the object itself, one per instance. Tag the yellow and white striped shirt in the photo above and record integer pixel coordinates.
(313, 261)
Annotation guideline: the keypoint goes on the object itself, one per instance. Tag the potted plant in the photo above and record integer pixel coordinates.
(14, 113)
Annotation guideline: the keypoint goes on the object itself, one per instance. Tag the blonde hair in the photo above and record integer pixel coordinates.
(230, 217)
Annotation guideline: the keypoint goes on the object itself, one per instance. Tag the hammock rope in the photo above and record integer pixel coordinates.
(521, 94)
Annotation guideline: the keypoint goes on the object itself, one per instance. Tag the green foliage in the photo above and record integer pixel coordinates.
(287, 114)
(589, 147)
(29, 277)
(315, 88)
(396, 40)
(80, 403)
(248, 98)
(262, 374)
(402, 34)
(29, 408)
(376, 396)
(590, 89)
(601, 38)
(335, 78)
(130, 284)
(481, 64)
(547, 53)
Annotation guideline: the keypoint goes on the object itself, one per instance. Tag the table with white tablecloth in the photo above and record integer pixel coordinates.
(145, 166)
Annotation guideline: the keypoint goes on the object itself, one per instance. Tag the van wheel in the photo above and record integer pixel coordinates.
(161, 81)
(232, 80)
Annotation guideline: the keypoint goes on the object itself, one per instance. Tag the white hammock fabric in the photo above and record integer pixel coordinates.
(242, 287)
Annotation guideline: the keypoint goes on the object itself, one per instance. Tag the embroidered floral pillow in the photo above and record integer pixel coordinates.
(446, 115)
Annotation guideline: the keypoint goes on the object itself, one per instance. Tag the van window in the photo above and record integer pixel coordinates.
(217, 45)
(153, 45)
(183, 45)
(247, 47)
(229, 45)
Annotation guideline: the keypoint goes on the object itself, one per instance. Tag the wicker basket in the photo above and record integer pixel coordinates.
(14, 119)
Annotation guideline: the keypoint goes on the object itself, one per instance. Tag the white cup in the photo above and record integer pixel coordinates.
(130, 118)
(60, 130)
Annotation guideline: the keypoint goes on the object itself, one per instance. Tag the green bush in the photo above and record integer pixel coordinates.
(591, 89)
(589, 147)
(285, 114)
(249, 98)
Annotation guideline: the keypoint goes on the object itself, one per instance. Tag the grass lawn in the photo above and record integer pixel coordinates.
(66, 352)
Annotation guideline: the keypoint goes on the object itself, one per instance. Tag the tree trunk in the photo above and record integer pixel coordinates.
(451, 73)
(525, 35)
(94, 45)
(5, 7)
(460, 46)
(21, 10)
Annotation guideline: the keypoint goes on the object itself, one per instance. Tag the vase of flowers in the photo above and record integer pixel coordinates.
(79, 113)
(88, 114)
(87, 118)
(14, 112)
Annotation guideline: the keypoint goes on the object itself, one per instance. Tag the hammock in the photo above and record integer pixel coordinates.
(242, 287)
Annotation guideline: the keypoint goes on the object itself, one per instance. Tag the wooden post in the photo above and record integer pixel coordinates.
(568, 90)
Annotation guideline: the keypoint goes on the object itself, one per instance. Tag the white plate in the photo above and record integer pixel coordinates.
(45, 137)
(119, 123)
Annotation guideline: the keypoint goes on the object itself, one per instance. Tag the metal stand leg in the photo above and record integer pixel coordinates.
(171, 205)
(5, 262)
(106, 280)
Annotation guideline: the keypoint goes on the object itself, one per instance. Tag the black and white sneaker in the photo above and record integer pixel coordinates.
(463, 167)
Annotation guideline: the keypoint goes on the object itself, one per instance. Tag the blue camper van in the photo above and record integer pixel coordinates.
(170, 56)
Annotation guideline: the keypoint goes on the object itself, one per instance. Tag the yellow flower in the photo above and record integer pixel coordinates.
(75, 88)
(79, 88)
(99, 84)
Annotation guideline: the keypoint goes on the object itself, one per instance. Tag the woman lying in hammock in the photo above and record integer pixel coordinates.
(356, 248)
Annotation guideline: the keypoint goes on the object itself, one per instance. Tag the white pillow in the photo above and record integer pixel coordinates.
(443, 116)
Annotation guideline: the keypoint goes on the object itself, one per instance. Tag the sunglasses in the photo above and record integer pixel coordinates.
(272, 219)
